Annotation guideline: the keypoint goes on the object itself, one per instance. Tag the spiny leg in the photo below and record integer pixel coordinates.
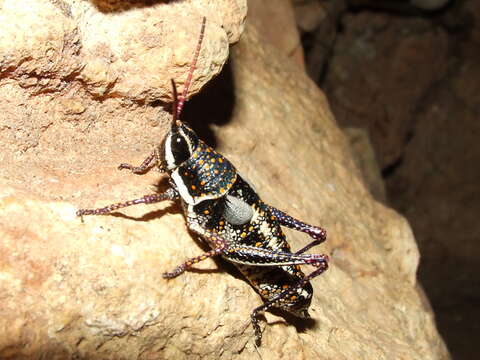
(170, 194)
(220, 245)
(284, 219)
(255, 256)
(292, 290)
(309, 246)
(145, 166)
(248, 255)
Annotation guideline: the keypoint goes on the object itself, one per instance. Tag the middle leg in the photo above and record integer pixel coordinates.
(170, 194)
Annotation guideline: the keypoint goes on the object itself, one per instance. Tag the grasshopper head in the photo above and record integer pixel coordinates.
(179, 145)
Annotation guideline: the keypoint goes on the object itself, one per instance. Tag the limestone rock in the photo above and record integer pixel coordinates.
(413, 83)
(318, 22)
(94, 289)
(366, 160)
(272, 19)
(373, 60)
(132, 54)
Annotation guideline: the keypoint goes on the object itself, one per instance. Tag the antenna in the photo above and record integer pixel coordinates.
(182, 98)
(175, 102)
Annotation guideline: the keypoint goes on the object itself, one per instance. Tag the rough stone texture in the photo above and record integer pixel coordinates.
(401, 6)
(366, 160)
(318, 22)
(129, 54)
(413, 83)
(94, 289)
(372, 61)
(272, 19)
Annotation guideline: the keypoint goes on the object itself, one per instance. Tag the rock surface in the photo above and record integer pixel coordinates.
(361, 98)
(413, 83)
(94, 289)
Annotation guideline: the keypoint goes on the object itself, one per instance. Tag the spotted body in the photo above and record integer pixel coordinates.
(226, 211)
(203, 176)
(262, 231)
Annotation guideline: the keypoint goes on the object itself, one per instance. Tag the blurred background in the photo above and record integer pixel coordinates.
(403, 80)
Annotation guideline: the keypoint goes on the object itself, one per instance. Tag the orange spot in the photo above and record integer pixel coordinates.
(293, 298)
(285, 286)
(258, 244)
(221, 223)
(202, 182)
(206, 212)
(216, 171)
(222, 190)
(193, 187)
(201, 162)
(273, 217)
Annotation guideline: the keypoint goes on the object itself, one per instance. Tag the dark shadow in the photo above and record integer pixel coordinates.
(213, 105)
(116, 6)
(400, 8)
(173, 209)
(205, 271)
(161, 186)
(300, 324)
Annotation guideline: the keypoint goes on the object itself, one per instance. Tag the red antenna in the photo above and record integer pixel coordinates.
(175, 102)
(182, 98)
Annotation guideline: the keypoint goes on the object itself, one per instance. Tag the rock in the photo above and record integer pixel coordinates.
(373, 60)
(402, 6)
(276, 24)
(94, 289)
(308, 14)
(438, 186)
(129, 54)
(430, 4)
(318, 22)
(366, 160)
(421, 74)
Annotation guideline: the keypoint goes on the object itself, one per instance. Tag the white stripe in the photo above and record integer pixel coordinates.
(169, 159)
(182, 189)
(187, 140)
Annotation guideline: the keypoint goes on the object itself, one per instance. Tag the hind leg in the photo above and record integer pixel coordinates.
(285, 297)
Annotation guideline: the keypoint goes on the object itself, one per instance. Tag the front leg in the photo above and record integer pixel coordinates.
(170, 194)
(145, 166)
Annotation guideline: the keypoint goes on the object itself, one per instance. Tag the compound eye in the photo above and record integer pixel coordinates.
(180, 150)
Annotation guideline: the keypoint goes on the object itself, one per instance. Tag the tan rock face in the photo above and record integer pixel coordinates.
(94, 289)
(413, 84)
(131, 54)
